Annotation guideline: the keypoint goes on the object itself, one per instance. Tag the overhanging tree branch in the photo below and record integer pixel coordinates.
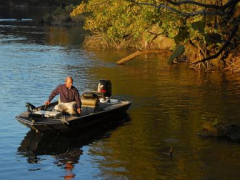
(202, 12)
(219, 10)
(226, 44)
(210, 6)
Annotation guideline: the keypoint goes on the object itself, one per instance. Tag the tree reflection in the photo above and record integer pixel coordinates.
(64, 35)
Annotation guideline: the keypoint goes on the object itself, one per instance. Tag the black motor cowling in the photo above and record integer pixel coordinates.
(105, 87)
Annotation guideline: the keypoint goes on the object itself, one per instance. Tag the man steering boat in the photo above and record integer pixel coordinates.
(69, 98)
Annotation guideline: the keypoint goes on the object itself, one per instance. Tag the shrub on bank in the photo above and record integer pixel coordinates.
(122, 24)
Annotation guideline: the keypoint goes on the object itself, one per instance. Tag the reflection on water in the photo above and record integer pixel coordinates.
(34, 33)
(170, 105)
(65, 149)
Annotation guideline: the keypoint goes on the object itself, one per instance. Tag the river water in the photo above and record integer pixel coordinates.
(170, 105)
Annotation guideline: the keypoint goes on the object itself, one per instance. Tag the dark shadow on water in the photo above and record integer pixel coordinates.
(66, 149)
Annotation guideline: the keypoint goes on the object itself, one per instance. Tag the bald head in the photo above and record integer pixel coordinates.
(69, 82)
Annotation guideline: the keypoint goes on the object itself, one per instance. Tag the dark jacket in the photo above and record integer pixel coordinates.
(66, 95)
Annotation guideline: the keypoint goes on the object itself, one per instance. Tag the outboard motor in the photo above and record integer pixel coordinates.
(105, 87)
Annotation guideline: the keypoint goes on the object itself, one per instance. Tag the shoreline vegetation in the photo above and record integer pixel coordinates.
(221, 131)
(61, 16)
(204, 34)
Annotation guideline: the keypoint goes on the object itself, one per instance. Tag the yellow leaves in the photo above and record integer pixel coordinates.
(90, 24)
(121, 18)
(78, 10)
(117, 18)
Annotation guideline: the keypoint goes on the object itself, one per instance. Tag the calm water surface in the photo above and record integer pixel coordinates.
(170, 105)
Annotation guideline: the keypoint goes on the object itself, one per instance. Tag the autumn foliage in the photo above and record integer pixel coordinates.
(143, 24)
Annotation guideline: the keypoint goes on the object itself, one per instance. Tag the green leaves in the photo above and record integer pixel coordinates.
(118, 18)
(123, 20)
(179, 50)
(199, 25)
(182, 35)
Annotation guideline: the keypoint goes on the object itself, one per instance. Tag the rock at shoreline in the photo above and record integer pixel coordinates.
(231, 131)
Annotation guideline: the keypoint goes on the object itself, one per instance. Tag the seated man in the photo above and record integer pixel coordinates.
(69, 98)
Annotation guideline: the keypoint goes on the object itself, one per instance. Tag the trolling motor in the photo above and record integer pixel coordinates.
(30, 108)
(35, 112)
(105, 88)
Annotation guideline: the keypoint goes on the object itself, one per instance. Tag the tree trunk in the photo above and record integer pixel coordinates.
(137, 53)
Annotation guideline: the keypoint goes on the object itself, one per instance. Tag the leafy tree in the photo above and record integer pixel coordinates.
(209, 26)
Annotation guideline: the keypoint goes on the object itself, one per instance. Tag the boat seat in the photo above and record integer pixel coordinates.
(90, 102)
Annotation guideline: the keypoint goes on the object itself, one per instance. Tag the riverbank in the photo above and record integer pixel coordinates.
(61, 16)
(151, 40)
(51, 12)
(200, 39)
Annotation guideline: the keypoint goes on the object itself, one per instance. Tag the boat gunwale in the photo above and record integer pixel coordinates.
(59, 121)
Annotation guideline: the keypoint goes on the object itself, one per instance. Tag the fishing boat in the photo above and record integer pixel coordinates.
(97, 108)
(35, 144)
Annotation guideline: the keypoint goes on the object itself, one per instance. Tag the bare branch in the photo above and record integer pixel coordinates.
(210, 6)
(225, 45)
(202, 12)
(179, 3)
(220, 10)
